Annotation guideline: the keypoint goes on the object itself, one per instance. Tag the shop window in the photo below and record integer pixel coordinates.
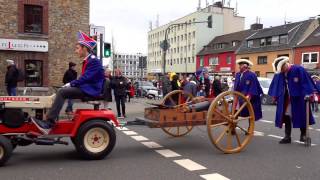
(262, 60)
(228, 59)
(214, 61)
(33, 19)
(201, 63)
(33, 73)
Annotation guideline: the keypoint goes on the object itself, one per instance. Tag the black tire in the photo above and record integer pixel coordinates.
(264, 100)
(5, 150)
(82, 145)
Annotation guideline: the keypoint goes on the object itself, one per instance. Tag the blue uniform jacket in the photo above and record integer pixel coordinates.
(300, 84)
(91, 81)
(249, 85)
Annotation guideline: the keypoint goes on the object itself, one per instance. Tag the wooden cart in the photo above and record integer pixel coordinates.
(227, 129)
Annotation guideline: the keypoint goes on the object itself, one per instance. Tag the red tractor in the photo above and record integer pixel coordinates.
(90, 130)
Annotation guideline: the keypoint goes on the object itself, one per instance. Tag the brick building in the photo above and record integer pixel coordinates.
(40, 36)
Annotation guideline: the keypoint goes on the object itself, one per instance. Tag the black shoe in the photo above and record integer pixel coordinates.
(125, 116)
(303, 138)
(285, 140)
(43, 126)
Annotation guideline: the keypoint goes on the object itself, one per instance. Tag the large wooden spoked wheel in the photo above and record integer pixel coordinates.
(230, 122)
(176, 99)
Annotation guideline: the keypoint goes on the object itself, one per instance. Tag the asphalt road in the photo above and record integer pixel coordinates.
(144, 153)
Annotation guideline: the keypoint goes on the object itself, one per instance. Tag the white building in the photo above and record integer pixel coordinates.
(129, 64)
(186, 40)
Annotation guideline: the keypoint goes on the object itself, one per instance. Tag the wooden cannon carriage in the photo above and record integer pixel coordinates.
(179, 112)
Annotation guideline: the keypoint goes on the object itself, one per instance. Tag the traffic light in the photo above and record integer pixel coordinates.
(107, 50)
(94, 51)
(210, 21)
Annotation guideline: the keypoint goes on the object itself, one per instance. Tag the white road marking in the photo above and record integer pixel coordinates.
(214, 176)
(266, 121)
(129, 133)
(317, 129)
(168, 153)
(122, 128)
(257, 133)
(299, 142)
(140, 138)
(275, 136)
(310, 127)
(190, 165)
(315, 116)
(152, 145)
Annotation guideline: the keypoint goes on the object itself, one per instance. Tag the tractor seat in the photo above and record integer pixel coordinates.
(95, 101)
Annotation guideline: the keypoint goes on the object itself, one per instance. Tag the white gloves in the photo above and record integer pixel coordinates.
(66, 85)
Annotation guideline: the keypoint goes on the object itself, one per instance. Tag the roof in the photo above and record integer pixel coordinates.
(313, 39)
(226, 39)
(294, 31)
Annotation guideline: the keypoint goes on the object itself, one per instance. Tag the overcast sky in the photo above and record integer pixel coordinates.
(128, 20)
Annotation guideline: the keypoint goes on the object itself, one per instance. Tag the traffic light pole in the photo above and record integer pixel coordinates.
(101, 47)
(165, 45)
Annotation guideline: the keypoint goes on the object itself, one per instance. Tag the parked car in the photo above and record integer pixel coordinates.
(145, 89)
(265, 84)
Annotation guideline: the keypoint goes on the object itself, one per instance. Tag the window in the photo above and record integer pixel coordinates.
(192, 59)
(228, 59)
(249, 43)
(283, 39)
(262, 42)
(33, 73)
(311, 57)
(262, 60)
(201, 63)
(189, 60)
(234, 43)
(275, 40)
(257, 73)
(268, 41)
(33, 19)
(213, 61)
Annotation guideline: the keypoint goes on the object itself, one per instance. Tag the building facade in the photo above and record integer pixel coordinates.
(307, 52)
(129, 64)
(262, 47)
(219, 55)
(188, 39)
(40, 36)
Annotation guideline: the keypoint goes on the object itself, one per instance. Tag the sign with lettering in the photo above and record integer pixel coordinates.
(23, 45)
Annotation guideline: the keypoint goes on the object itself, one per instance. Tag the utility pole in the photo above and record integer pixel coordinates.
(101, 47)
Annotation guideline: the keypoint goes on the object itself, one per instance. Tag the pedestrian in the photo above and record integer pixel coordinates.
(247, 83)
(190, 87)
(107, 94)
(289, 86)
(130, 91)
(315, 96)
(70, 75)
(11, 79)
(166, 84)
(206, 84)
(174, 83)
(216, 86)
(119, 85)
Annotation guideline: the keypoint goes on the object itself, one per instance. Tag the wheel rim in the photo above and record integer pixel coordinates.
(96, 140)
(176, 98)
(1, 152)
(177, 131)
(227, 129)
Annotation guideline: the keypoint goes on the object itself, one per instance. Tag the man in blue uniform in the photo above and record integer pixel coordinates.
(89, 83)
(289, 86)
(247, 83)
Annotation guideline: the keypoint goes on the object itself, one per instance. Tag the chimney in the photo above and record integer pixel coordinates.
(256, 26)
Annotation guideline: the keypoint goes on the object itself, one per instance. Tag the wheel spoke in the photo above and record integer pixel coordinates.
(221, 114)
(242, 118)
(218, 124)
(172, 101)
(226, 106)
(229, 139)
(245, 131)
(238, 138)
(240, 109)
(179, 99)
(222, 134)
(234, 104)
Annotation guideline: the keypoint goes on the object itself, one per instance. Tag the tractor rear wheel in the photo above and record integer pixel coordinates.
(5, 150)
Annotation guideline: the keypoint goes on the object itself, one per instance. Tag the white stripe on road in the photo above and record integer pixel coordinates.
(190, 165)
(139, 138)
(266, 121)
(214, 176)
(122, 128)
(317, 129)
(275, 136)
(299, 142)
(168, 153)
(152, 145)
(257, 133)
(129, 133)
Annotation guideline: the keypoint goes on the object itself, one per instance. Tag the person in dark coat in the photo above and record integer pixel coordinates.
(119, 85)
(166, 84)
(190, 87)
(70, 75)
(206, 84)
(289, 86)
(247, 83)
(216, 86)
(11, 79)
(174, 83)
(107, 93)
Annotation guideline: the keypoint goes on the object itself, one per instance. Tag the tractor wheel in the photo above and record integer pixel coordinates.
(5, 150)
(95, 139)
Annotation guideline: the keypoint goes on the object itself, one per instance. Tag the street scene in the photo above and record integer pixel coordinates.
(213, 90)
